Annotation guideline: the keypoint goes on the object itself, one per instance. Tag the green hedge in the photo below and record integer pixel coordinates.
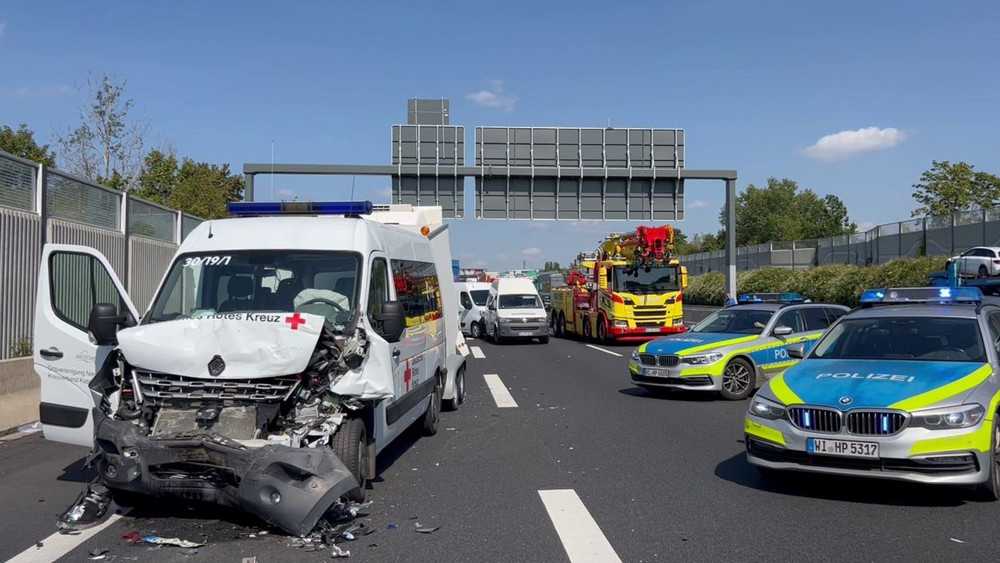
(832, 284)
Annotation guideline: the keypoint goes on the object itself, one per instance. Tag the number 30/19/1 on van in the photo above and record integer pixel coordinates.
(278, 350)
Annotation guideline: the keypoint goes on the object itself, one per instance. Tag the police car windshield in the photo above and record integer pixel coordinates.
(928, 339)
(638, 280)
(735, 320)
(520, 302)
(259, 281)
(480, 296)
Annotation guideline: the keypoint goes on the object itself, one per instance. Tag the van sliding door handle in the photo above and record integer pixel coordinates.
(395, 353)
(51, 353)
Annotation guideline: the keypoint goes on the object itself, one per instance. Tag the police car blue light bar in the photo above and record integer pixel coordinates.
(922, 295)
(264, 208)
(771, 298)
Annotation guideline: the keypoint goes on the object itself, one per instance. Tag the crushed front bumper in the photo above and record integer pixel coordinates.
(288, 487)
(777, 444)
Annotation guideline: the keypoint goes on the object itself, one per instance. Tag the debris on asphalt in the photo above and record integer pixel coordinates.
(249, 560)
(87, 510)
(171, 541)
(392, 526)
(189, 552)
(425, 530)
(957, 540)
(131, 537)
(347, 536)
(338, 552)
(30, 428)
(97, 554)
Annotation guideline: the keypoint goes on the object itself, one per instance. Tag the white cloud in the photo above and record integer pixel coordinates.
(844, 144)
(533, 252)
(495, 97)
(697, 204)
(45, 93)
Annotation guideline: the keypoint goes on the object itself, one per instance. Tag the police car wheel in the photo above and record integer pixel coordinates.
(350, 444)
(476, 330)
(738, 380)
(989, 490)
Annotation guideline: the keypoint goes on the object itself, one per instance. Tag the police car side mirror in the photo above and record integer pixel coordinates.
(103, 324)
(391, 322)
(782, 331)
(797, 351)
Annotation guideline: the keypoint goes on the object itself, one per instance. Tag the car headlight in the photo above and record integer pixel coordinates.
(702, 359)
(635, 356)
(765, 408)
(948, 417)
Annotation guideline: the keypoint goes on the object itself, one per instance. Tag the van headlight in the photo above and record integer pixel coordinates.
(765, 408)
(504, 320)
(947, 418)
(702, 359)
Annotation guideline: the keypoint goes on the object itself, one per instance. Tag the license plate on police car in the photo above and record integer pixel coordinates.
(842, 448)
(657, 373)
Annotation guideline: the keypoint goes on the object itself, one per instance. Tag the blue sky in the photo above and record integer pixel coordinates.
(755, 85)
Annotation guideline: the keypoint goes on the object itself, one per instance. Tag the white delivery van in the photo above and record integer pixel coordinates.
(278, 357)
(472, 297)
(514, 311)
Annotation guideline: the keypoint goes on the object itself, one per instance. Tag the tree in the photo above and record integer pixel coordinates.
(949, 188)
(107, 145)
(197, 188)
(551, 267)
(781, 212)
(22, 143)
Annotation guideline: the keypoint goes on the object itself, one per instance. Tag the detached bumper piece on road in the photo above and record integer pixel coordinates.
(287, 487)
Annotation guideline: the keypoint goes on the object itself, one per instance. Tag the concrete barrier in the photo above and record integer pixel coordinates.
(19, 393)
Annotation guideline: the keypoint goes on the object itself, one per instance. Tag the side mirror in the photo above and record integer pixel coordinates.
(797, 351)
(493, 307)
(467, 305)
(782, 331)
(103, 324)
(391, 322)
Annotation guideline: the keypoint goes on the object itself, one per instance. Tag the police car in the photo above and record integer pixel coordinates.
(735, 348)
(902, 388)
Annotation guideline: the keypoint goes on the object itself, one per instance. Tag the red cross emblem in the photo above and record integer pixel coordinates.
(295, 320)
(407, 376)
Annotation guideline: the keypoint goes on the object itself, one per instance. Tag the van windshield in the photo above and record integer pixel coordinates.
(519, 301)
(252, 281)
(480, 296)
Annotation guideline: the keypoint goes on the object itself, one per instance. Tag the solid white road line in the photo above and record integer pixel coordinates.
(57, 545)
(500, 393)
(603, 350)
(580, 535)
(477, 352)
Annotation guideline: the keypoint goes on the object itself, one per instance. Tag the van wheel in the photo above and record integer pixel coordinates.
(497, 339)
(433, 413)
(543, 339)
(476, 330)
(738, 380)
(989, 490)
(350, 444)
(459, 398)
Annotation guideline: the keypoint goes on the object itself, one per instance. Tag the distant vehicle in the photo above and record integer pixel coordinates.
(902, 388)
(546, 282)
(515, 311)
(472, 300)
(981, 261)
(735, 349)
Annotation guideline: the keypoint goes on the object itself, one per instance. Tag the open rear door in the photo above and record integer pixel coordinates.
(71, 280)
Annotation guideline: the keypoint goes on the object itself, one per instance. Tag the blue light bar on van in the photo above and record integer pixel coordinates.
(262, 208)
(771, 298)
(922, 295)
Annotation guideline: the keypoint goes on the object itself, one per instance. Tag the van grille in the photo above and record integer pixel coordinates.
(157, 387)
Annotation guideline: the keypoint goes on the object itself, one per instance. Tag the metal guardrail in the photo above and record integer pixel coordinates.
(39, 205)
(945, 235)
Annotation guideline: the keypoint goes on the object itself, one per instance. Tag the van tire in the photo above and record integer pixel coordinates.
(497, 339)
(459, 398)
(433, 413)
(476, 330)
(543, 339)
(350, 444)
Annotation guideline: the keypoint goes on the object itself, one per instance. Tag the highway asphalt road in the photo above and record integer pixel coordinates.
(584, 463)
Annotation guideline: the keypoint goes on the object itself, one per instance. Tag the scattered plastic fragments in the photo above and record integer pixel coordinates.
(97, 554)
(131, 537)
(249, 560)
(425, 530)
(88, 509)
(30, 428)
(957, 540)
(172, 541)
(189, 552)
(392, 527)
(338, 552)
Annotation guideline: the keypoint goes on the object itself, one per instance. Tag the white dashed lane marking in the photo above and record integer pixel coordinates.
(579, 533)
(58, 545)
(599, 349)
(500, 393)
(477, 352)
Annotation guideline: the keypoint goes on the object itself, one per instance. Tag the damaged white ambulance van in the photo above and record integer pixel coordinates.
(282, 351)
